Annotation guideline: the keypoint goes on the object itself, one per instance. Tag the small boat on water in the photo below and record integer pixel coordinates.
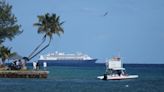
(115, 70)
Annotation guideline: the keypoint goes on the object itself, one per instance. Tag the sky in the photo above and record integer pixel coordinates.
(132, 29)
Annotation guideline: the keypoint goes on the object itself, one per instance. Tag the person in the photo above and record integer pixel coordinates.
(37, 66)
(17, 62)
(23, 64)
(14, 62)
(119, 72)
(105, 77)
(34, 65)
(1, 63)
(17, 66)
(45, 65)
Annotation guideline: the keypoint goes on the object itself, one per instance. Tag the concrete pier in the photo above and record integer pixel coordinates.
(23, 74)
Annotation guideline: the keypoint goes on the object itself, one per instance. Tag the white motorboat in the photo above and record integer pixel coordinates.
(118, 77)
(115, 70)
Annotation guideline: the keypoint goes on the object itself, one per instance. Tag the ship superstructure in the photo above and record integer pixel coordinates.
(66, 58)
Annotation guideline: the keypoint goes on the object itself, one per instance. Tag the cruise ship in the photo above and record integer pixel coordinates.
(60, 58)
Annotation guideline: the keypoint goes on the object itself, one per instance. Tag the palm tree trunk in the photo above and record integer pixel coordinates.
(44, 39)
(40, 50)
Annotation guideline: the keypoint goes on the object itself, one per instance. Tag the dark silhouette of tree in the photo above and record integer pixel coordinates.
(4, 53)
(8, 28)
(8, 23)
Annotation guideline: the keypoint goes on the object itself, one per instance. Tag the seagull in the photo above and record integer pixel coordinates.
(106, 13)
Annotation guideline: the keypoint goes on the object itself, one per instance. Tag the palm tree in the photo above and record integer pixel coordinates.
(48, 25)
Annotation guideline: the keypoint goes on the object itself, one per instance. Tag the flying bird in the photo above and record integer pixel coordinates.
(106, 13)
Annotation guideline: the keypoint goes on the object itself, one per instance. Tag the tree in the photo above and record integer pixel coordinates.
(48, 25)
(4, 53)
(8, 28)
(8, 22)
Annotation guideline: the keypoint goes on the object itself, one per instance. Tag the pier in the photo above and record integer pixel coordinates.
(23, 74)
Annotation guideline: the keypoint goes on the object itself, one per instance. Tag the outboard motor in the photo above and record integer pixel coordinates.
(105, 77)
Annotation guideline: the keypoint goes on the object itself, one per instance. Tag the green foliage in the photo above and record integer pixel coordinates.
(48, 25)
(4, 52)
(8, 22)
(8, 28)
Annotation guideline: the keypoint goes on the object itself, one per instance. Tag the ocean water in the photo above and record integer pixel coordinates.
(83, 79)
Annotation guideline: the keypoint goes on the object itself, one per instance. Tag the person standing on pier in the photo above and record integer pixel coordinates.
(34, 65)
(44, 65)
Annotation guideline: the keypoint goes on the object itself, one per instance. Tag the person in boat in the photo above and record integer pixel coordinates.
(119, 72)
(105, 77)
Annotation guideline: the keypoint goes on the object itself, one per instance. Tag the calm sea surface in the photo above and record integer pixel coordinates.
(83, 79)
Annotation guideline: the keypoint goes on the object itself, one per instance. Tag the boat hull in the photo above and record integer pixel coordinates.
(118, 77)
(68, 62)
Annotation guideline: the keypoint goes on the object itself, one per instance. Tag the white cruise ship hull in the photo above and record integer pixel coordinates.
(68, 62)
